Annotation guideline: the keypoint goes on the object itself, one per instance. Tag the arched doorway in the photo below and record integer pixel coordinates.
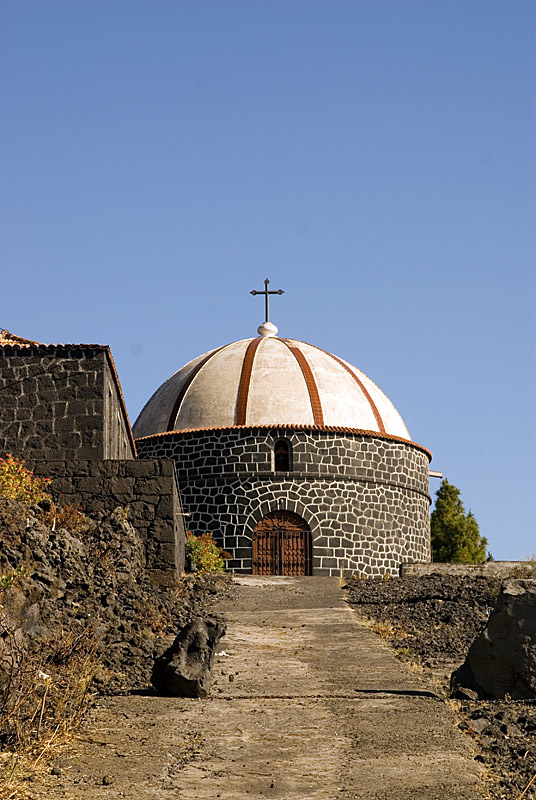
(282, 545)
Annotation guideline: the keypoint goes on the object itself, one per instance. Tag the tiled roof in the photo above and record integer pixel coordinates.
(284, 427)
(10, 338)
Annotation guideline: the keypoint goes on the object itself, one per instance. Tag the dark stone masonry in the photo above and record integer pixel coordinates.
(365, 499)
(284, 500)
(62, 411)
(62, 399)
(147, 488)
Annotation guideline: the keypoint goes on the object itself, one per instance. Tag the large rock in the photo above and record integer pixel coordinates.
(185, 669)
(502, 659)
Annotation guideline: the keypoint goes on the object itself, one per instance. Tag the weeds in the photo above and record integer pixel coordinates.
(7, 581)
(69, 517)
(387, 630)
(525, 570)
(44, 688)
(38, 708)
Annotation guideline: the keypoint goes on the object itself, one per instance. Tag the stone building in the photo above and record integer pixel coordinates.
(63, 412)
(292, 458)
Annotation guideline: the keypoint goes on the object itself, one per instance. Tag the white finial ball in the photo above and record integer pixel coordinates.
(267, 329)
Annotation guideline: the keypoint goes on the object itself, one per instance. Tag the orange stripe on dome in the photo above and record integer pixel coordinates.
(312, 388)
(186, 385)
(361, 385)
(245, 380)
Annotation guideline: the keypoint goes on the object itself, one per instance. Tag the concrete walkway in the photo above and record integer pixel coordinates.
(307, 704)
(318, 707)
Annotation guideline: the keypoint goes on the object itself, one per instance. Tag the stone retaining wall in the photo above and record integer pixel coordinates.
(490, 569)
(147, 487)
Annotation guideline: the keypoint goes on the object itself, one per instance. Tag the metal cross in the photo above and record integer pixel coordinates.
(266, 293)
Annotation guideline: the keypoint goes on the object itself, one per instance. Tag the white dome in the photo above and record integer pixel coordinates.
(269, 381)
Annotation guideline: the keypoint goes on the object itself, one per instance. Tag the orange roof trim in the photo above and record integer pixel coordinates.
(245, 380)
(288, 427)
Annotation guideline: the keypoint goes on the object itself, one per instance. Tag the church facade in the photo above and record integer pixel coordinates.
(347, 500)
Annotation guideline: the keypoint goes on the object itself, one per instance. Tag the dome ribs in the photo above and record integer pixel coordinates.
(186, 385)
(361, 385)
(312, 388)
(283, 382)
(245, 380)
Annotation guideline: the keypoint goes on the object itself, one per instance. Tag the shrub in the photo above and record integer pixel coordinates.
(203, 554)
(19, 483)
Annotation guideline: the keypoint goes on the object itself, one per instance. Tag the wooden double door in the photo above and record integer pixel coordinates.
(282, 545)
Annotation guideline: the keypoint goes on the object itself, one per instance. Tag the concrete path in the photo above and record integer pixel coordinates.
(307, 704)
(320, 708)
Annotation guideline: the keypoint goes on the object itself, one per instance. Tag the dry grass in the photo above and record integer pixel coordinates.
(525, 570)
(44, 691)
(386, 630)
(18, 770)
(65, 516)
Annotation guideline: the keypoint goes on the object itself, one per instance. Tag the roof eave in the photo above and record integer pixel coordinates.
(292, 427)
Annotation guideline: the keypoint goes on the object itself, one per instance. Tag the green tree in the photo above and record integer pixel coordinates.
(455, 535)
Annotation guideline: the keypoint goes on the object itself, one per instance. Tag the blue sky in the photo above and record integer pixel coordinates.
(375, 159)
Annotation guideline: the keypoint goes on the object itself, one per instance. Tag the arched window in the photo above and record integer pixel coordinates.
(282, 456)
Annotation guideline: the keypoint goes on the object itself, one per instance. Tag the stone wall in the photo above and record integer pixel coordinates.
(147, 487)
(118, 440)
(61, 401)
(490, 569)
(366, 500)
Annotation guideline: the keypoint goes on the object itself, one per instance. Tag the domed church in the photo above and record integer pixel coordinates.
(292, 458)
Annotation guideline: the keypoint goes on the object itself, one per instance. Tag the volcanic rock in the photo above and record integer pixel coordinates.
(502, 660)
(185, 669)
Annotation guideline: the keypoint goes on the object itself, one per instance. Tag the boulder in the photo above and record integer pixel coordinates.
(185, 669)
(502, 659)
